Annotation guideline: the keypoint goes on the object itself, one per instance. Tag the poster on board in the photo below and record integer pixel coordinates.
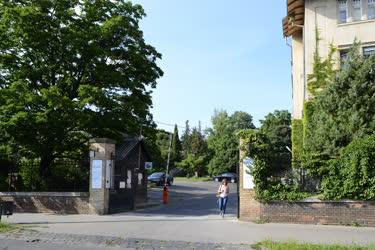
(97, 174)
(248, 180)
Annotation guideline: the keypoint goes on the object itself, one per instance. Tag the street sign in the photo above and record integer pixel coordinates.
(148, 165)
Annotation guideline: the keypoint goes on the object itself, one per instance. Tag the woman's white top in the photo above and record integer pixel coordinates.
(224, 191)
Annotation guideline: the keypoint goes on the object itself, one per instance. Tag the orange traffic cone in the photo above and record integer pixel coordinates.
(165, 195)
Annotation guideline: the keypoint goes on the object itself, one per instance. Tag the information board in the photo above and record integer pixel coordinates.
(248, 180)
(97, 174)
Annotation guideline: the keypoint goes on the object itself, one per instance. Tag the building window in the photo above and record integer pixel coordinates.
(343, 10)
(368, 51)
(357, 10)
(371, 9)
(344, 54)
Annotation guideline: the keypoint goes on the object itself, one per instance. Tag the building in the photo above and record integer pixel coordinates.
(339, 22)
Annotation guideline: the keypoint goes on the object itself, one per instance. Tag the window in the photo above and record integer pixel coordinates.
(343, 10)
(343, 56)
(371, 9)
(368, 51)
(357, 10)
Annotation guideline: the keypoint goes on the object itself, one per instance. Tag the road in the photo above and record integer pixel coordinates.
(191, 216)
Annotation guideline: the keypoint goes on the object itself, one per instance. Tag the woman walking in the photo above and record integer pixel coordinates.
(223, 193)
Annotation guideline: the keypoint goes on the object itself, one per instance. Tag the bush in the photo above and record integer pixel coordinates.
(352, 174)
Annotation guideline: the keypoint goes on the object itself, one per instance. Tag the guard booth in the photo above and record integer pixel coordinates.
(129, 187)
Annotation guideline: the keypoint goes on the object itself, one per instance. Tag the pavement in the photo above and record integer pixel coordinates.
(190, 221)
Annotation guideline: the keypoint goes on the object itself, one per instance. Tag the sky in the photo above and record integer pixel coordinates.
(217, 54)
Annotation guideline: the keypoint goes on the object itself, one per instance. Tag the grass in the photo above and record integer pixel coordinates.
(5, 227)
(193, 179)
(294, 245)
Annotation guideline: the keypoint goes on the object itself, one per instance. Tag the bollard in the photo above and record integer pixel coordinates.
(165, 195)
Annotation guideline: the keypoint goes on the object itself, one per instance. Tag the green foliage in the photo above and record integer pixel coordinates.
(70, 70)
(342, 112)
(158, 147)
(30, 175)
(276, 127)
(194, 165)
(294, 245)
(267, 146)
(297, 142)
(196, 153)
(352, 174)
(176, 148)
(223, 142)
(185, 140)
(258, 146)
(323, 70)
(6, 228)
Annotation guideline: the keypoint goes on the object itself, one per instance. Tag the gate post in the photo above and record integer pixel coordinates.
(249, 207)
(102, 152)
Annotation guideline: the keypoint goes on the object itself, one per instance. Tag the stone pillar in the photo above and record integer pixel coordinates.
(250, 208)
(102, 152)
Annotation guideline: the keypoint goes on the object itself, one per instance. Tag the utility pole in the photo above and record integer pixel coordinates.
(169, 157)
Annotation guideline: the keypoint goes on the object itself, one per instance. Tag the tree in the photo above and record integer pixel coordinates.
(344, 111)
(277, 128)
(185, 140)
(70, 70)
(193, 164)
(176, 147)
(223, 142)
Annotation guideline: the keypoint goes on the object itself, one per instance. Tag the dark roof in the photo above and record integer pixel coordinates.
(128, 144)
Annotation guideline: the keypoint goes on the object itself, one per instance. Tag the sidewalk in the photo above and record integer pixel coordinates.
(198, 229)
(69, 241)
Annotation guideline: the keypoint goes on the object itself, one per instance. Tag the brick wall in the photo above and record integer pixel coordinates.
(48, 202)
(320, 212)
(307, 211)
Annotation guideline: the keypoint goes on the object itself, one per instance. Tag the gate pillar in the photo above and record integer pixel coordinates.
(102, 153)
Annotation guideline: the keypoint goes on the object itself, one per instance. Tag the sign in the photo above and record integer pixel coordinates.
(148, 165)
(108, 173)
(122, 184)
(248, 180)
(97, 174)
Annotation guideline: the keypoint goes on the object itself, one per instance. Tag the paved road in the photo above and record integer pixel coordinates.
(191, 199)
(191, 216)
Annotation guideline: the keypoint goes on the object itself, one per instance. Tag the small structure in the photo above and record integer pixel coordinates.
(130, 177)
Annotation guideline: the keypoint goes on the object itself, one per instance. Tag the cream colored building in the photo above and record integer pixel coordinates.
(339, 22)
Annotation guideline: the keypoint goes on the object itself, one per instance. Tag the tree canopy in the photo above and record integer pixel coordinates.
(72, 69)
(223, 142)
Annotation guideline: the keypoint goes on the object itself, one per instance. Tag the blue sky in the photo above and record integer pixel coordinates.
(218, 54)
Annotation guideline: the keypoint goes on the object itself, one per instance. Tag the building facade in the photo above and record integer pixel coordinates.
(339, 22)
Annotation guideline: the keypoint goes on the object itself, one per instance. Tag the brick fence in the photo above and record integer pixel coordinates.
(48, 202)
(310, 212)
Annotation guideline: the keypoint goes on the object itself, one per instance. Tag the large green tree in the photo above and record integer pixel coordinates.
(223, 142)
(344, 111)
(276, 127)
(72, 69)
(196, 160)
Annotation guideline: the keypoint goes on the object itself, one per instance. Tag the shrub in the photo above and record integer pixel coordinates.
(352, 174)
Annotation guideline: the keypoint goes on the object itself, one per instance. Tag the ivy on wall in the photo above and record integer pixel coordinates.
(297, 142)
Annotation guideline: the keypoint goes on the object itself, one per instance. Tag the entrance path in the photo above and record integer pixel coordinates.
(191, 216)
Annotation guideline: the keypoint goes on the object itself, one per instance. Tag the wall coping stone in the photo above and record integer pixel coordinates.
(46, 194)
